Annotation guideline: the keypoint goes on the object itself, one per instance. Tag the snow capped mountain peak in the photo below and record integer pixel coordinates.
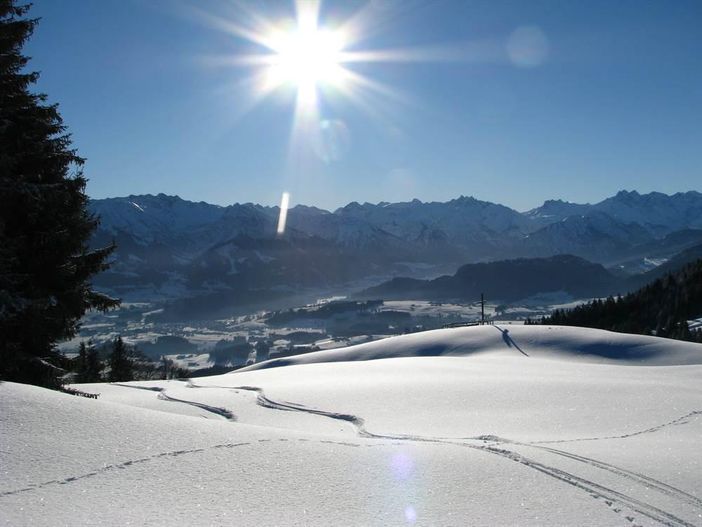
(464, 199)
(148, 216)
(623, 194)
(161, 216)
(307, 209)
(349, 208)
(166, 234)
(660, 213)
(554, 210)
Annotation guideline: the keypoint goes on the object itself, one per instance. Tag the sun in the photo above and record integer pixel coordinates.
(306, 57)
(317, 55)
(316, 59)
(307, 54)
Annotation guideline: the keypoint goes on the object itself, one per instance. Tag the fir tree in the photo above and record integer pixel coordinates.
(93, 365)
(263, 349)
(45, 262)
(81, 363)
(166, 367)
(88, 365)
(121, 367)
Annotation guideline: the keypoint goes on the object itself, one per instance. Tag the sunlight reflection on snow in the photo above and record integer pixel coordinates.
(402, 466)
(410, 514)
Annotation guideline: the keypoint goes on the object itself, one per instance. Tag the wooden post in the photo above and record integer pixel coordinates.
(482, 308)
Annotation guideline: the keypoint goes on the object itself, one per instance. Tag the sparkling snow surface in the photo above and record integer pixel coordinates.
(467, 426)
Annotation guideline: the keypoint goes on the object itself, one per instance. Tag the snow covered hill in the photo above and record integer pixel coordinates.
(572, 343)
(508, 425)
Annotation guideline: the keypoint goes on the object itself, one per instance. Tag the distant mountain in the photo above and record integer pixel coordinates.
(595, 236)
(651, 255)
(671, 266)
(658, 213)
(555, 210)
(146, 217)
(465, 223)
(505, 281)
(170, 248)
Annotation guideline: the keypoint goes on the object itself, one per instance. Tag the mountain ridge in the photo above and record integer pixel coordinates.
(505, 281)
(168, 247)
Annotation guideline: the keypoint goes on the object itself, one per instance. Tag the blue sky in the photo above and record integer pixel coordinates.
(611, 100)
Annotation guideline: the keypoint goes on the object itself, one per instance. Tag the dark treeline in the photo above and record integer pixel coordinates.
(46, 263)
(327, 310)
(117, 361)
(661, 308)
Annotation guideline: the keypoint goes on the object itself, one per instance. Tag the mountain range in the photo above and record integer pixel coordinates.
(224, 256)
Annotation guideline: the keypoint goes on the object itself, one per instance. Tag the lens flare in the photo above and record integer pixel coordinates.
(283, 216)
(332, 141)
(527, 47)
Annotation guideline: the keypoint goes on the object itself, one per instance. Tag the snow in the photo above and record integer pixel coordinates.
(193, 361)
(676, 211)
(149, 217)
(579, 344)
(466, 426)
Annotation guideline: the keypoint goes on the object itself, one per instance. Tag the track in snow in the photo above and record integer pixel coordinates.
(594, 489)
(614, 499)
(643, 479)
(117, 466)
(222, 412)
(682, 420)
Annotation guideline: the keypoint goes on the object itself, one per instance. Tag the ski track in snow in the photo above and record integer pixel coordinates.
(616, 500)
(172, 454)
(628, 474)
(117, 466)
(684, 419)
(595, 490)
(222, 412)
(613, 499)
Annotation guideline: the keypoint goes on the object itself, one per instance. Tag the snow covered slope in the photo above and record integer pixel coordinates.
(582, 344)
(510, 430)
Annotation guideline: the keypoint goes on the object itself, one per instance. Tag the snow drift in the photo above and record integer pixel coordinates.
(584, 344)
(466, 426)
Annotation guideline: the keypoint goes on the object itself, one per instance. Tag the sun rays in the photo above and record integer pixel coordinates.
(306, 56)
(324, 63)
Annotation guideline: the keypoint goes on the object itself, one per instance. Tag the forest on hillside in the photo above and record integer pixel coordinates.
(661, 308)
